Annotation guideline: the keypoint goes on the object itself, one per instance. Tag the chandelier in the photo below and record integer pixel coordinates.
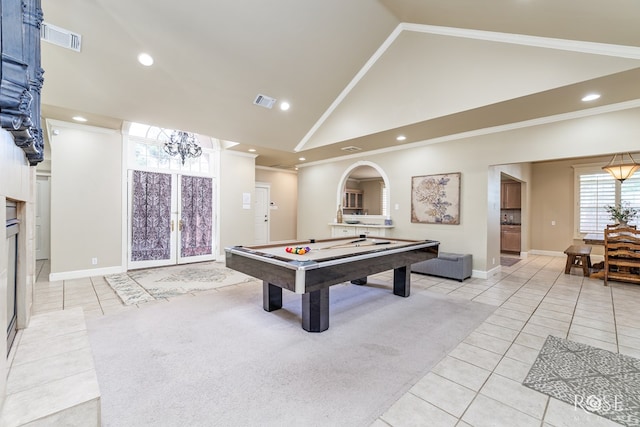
(183, 144)
(621, 170)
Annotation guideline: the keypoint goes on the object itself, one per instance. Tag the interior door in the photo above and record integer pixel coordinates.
(195, 219)
(170, 219)
(153, 217)
(261, 212)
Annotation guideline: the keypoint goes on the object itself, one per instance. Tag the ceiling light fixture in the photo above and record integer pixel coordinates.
(252, 150)
(183, 144)
(79, 119)
(145, 59)
(284, 105)
(591, 97)
(621, 170)
(401, 138)
(302, 159)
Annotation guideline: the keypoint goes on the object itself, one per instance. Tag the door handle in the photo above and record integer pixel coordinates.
(172, 225)
(180, 225)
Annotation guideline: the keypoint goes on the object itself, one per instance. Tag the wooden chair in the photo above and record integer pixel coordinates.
(622, 254)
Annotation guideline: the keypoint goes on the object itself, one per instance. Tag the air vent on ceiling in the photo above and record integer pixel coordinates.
(264, 101)
(351, 149)
(60, 36)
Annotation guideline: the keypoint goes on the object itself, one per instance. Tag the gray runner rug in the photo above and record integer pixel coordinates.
(588, 378)
(218, 359)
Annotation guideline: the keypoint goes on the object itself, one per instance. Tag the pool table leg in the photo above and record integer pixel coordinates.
(315, 310)
(271, 296)
(402, 281)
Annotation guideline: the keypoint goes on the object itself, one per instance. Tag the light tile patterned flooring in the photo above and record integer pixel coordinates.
(479, 383)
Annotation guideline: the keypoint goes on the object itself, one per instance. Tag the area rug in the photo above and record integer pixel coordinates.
(508, 261)
(219, 359)
(139, 286)
(588, 378)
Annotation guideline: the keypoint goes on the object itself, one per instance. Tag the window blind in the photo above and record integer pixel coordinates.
(597, 190)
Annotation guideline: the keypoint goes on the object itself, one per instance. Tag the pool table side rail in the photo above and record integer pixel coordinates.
(307, 276)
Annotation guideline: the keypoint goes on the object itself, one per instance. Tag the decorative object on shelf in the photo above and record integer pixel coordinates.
(339, 215)
(435, 199)
(622, 213)
(621, 170)
(183, 144)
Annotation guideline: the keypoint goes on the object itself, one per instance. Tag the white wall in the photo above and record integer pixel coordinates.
(86, 201)
(237, 177)
(473, 157)
(17, 182)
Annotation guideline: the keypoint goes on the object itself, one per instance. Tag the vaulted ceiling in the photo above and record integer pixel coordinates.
(357, 73)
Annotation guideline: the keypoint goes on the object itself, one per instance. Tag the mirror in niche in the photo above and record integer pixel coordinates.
(364, 191)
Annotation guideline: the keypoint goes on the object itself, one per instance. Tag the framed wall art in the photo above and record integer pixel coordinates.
(435, 199)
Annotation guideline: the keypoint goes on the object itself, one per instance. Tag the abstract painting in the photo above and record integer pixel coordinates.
(435, 199)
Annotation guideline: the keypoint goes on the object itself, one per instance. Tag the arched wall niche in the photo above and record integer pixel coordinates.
(353, 170)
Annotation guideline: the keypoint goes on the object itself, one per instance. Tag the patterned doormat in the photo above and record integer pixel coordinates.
(588, 378)
(508, 261)
(139, 286)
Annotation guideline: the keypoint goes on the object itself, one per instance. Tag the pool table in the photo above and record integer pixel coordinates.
(328, 262)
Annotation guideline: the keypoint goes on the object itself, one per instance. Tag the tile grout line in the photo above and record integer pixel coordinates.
(504, 355)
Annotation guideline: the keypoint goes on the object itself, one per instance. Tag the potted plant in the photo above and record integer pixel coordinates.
(622, 213)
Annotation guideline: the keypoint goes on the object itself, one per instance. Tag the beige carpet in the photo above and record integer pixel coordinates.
(139, 286)
(219, 359)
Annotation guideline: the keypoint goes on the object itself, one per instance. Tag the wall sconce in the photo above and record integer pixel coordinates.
(621, 170)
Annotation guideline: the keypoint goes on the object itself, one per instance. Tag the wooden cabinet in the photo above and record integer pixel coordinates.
(510, 238)
(622, 254)
(510, 195)
(352, 200)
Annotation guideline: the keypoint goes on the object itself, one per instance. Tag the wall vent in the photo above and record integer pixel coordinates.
(264, 101)
(351, 149)
(60, 37)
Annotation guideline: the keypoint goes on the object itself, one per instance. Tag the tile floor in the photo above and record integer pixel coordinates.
(479, 382)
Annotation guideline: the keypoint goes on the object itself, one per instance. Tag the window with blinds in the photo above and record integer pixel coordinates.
(599, 189)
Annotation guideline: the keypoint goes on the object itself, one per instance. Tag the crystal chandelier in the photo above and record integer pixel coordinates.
(183, 144)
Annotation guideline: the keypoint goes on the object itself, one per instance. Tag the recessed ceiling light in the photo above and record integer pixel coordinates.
(252, 150)
(591, 97)
(284, 106)
(401, 138)
(302, 159)
(145, 59)
(79, 119)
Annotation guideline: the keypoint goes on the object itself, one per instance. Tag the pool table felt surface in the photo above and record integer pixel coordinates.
(326, 249)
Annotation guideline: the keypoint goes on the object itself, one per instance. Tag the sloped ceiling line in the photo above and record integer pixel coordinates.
(486, 131)
(629, 52)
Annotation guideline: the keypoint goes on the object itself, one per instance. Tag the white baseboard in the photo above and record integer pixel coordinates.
(546, 253)
(79, 274)
(480, 274)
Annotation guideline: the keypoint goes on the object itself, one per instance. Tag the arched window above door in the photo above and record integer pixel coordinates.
(146, 151)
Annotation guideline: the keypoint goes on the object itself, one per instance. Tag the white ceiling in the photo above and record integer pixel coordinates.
(356, 72)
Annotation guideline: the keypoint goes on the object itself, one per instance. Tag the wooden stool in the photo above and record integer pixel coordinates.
(578, 256)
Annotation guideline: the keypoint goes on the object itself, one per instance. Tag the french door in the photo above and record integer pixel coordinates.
(170, 219)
